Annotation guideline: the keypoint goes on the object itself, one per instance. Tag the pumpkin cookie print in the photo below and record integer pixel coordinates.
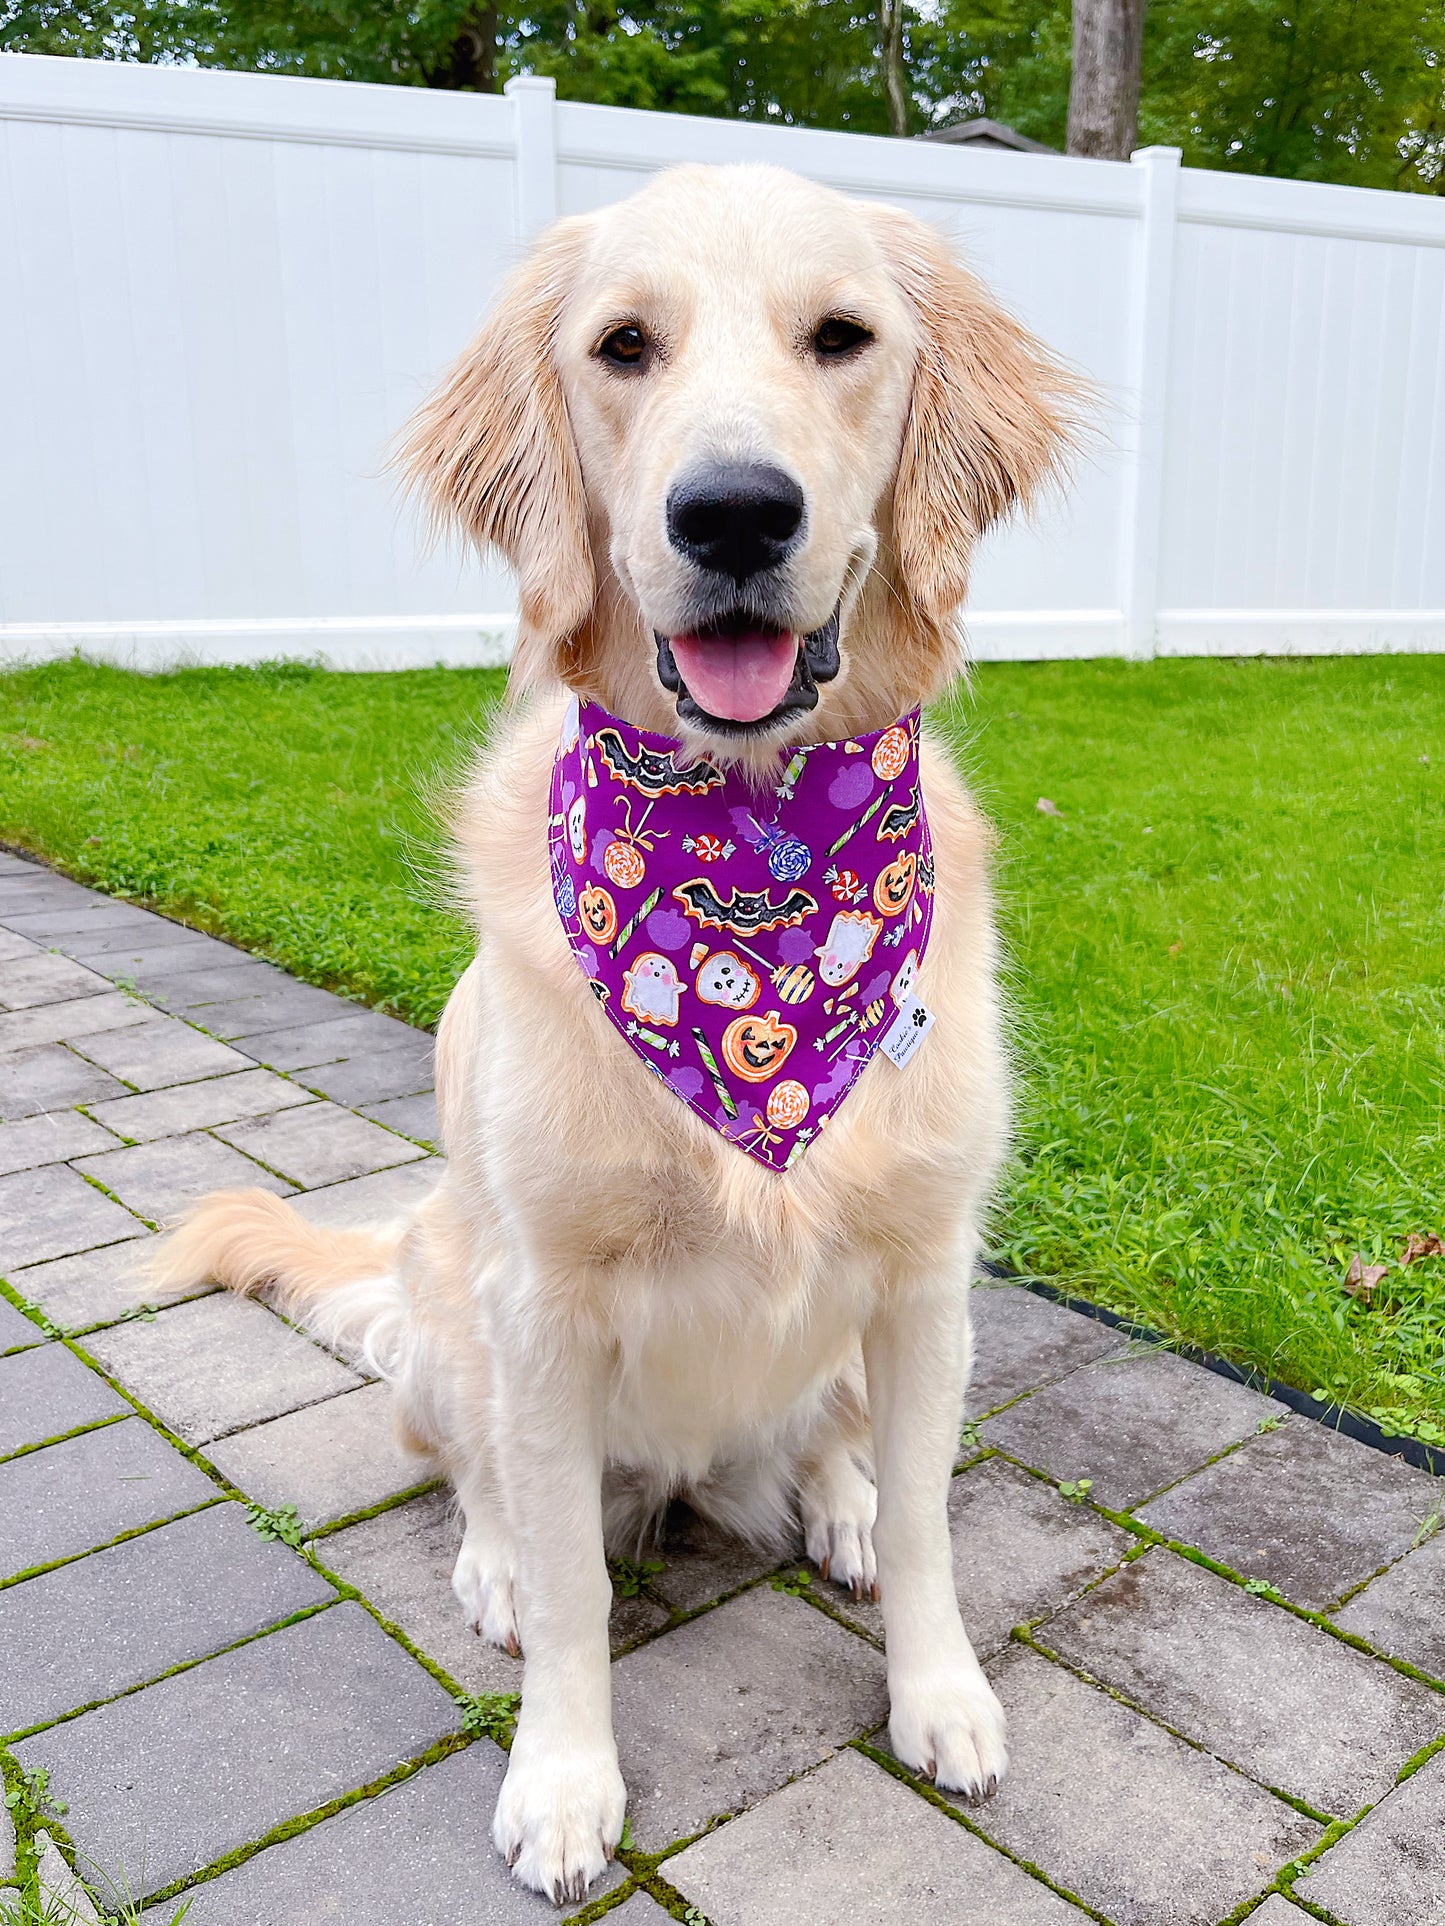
(597, 913)
(756, 1047)
(893, 890)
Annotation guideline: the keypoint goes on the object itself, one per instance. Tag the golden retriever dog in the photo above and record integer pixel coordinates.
(604, 1304)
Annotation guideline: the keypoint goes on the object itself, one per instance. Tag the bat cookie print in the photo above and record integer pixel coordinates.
(737, 931)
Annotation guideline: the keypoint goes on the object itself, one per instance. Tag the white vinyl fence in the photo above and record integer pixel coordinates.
(221, 294)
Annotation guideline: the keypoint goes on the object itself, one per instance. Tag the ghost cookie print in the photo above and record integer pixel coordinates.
(745, 937)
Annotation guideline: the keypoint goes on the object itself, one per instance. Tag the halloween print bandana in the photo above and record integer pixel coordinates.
(754, 945)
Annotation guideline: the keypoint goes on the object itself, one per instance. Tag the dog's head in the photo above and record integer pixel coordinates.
(738, 435)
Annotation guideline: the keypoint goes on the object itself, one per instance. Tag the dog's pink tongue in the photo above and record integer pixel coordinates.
(741, 678)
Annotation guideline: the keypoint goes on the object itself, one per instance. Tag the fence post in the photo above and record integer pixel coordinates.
(534, 110)
(1143, 526)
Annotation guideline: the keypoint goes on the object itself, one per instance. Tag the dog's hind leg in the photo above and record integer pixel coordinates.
(837, 1501)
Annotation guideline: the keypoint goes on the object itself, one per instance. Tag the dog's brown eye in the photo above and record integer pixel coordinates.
(839, 336)
(624, 347)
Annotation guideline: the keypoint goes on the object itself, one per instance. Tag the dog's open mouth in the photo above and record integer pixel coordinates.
(738, 675)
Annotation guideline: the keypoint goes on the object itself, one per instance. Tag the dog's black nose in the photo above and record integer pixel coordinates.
(738, 518)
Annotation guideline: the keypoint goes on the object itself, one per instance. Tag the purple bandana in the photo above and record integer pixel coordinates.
(753, 945)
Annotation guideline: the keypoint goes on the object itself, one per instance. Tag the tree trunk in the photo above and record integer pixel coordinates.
(895, 80)
(1104, 91)
(471, 63)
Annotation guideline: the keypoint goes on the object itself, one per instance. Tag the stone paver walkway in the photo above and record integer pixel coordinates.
(1218, 1629)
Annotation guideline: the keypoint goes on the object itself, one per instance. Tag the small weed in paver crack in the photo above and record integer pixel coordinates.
(1428, 1528)
(795, 1584)
(1261, 1588)
(1076, 1490)
(1271, 1423)
(29, 1797)
(278, 1522)
(629, 1575)
(490, 1715)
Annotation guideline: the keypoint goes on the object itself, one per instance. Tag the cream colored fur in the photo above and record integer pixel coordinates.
(600, 1282)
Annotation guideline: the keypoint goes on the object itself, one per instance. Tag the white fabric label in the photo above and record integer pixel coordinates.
(907, 1030)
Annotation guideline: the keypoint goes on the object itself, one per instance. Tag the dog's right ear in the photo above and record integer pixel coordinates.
(491, 454)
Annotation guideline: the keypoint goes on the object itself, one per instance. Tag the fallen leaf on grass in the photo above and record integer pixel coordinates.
(1421, 1244)
(1362, 1279)
(1175, 948)
(1047, 808)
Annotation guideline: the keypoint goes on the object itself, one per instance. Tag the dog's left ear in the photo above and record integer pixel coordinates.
(994, 416)
(491, 453)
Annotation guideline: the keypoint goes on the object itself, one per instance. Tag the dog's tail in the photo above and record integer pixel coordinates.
(342, 1285)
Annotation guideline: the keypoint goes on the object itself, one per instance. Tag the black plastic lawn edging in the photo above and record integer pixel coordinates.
(1336, 1417)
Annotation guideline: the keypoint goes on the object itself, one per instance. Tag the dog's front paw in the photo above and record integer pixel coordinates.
(485, 1593)
(559, 1818)
(949, 1727)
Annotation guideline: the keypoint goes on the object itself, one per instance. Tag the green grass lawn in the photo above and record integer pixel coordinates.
(1228, 949)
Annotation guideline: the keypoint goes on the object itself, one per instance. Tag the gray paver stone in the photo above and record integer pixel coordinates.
(160, 1599)
(96, 1286)
(1307, 1509)
(1273, 1694)
(153, 1056)
(402, 1561)
(1390, 1871)
(13, 945)
(64, 1500)
(1021, 1341)
(171, 1778)
(379, 1199)
(1133, 1821)
(327, 1460)
(74, 924)
(137, 939)
(725, 1709)
(420, 1854)
(700, 1562)
(1019, 1551)
(848, 1842)
(414, 1117)
(217, 1363)
(50, 1077)
(49, 1140)
(182, 981)
(404, 1070)
(286, 1008)
(196, 1106)
(160, 1180)
(17, 1330)
(1131, 1425)
(1403, 1611)
(27, 982)
(302, 1046)
(321, 1145)
(53, 1212)
(1278, 1912)
(54, 1022)
(169, 951)
(47, 1392)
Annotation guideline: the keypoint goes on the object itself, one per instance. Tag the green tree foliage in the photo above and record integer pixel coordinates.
(1338, 90)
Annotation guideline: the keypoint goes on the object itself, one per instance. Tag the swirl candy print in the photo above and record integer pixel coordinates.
(751, 943)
